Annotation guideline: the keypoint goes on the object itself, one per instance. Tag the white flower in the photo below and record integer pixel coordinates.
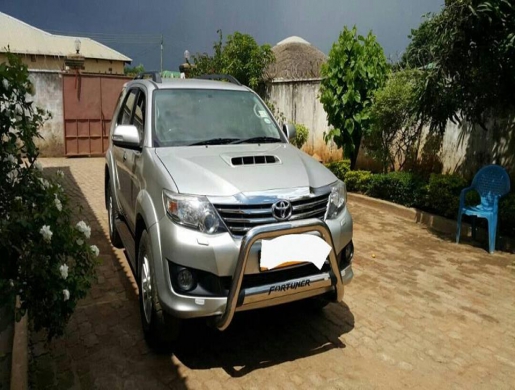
(80, 242)
(44, 182)
(11, 282)
(5, 83)
(64, 271)
(95, 250)
(60, 174)
(14, 131)
(17, 198)
(5, 138)
(13, 176)
(7, 216)
(46, 233)
(84, 229)
(58, 204)
(38, 166)
(10, 158)
(66, 294)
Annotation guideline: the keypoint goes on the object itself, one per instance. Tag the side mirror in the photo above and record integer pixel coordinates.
(126, 136)
(290, 131)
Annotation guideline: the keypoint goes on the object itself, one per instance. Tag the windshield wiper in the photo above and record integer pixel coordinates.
(260, 140)
(215, 141)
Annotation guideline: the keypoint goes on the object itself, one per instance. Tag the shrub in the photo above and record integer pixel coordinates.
(398, 187)
(443, 194)
(45, 259)
(507, 215)
(302, 135)
(358, 181)
(339, 168)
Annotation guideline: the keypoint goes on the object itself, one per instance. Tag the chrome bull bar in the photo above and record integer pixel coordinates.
(268, 232)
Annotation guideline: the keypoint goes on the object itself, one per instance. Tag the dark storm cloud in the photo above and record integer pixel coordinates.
(192, 24)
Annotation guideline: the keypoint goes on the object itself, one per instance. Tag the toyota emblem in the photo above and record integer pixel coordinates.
(282, 210)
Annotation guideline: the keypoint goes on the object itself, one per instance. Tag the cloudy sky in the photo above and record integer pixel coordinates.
(134, 27)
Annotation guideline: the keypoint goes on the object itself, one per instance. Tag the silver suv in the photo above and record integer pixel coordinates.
(217, 211)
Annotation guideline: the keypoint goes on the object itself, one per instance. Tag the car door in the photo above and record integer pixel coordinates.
(134, 158)
(121, 154)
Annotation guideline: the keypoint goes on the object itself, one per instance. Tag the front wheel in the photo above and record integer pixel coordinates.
(159, 327)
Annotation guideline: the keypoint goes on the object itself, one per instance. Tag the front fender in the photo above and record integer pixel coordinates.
(146, 209)
(113, 179)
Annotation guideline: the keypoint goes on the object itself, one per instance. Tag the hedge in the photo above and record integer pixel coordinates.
(439, 195)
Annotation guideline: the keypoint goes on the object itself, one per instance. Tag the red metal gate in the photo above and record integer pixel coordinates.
(88, 105)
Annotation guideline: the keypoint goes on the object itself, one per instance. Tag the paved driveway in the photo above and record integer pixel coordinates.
(421, 312)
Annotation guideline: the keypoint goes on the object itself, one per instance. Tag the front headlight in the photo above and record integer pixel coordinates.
(337, 200)
(194, 212)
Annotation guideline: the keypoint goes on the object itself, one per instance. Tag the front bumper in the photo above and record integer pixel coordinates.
(218, 256)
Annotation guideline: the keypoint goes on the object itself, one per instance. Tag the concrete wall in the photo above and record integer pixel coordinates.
(463, 149)
(38, 62)
(467, 148)
(49, 97)
(298, 101)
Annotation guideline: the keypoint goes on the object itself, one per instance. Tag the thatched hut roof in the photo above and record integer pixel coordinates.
(295, 59)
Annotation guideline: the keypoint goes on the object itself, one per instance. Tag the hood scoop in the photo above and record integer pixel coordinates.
(254, 160)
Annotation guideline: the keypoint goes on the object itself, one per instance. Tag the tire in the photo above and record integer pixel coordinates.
(112, 215)
(160, 328)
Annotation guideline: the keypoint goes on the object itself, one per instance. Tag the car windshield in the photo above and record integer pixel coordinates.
(184, 117)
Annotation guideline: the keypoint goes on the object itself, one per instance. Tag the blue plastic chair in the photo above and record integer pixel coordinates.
(491, 183)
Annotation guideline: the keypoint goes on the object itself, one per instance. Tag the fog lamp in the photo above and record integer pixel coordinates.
(185, 280)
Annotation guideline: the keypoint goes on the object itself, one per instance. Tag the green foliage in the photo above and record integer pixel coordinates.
(355, 69)
(439, 195)
(302, 135)
(45, 258)
(240, 57)
(358, 181)
(443, 194)
(399, 187)
(278, 114)
(133, 71)
(339, 168)
(395, 132)
(507, 215)
(467, 54)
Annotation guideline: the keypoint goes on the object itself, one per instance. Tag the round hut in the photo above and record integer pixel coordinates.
(295, 59)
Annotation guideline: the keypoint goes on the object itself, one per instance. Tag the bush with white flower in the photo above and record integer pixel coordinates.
(45, 258)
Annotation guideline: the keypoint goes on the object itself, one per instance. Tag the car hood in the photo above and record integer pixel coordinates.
(202, 170)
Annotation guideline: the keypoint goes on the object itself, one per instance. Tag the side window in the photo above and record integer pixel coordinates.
(139, 115)
(125, 115)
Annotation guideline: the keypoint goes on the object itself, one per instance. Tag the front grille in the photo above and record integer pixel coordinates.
(240, 218)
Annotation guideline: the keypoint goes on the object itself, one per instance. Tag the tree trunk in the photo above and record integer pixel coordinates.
(354, 154)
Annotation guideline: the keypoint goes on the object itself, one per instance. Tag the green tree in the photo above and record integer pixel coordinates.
(467, 52)
(356, 68)
(240, 57)
(395, 132)
(134, 71)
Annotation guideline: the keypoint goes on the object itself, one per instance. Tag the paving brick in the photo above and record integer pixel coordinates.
(424, 313)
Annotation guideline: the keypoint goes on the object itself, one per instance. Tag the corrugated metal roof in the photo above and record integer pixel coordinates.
(23, 38)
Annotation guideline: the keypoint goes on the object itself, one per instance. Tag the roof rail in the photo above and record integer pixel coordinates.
(155, 75)
(219, 77)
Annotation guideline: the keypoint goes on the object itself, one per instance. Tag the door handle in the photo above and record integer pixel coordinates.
(124, 155)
